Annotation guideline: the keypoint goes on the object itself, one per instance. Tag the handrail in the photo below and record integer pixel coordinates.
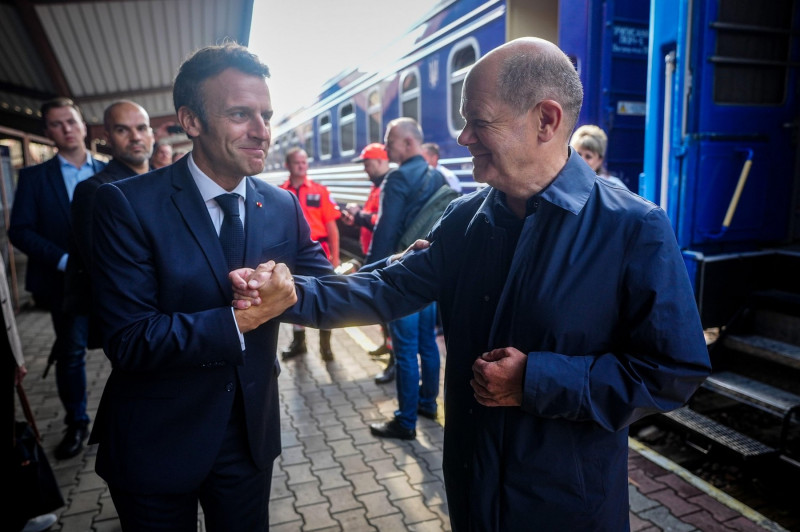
(666, 141)
(737, 194)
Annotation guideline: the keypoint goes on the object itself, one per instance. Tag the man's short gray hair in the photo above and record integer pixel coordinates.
(408, 126)
(528, 78)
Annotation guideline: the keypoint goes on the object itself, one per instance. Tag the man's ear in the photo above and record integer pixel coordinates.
(550, 118)
(189, 121)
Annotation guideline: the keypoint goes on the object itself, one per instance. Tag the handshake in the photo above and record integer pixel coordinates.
(261, 294)
(264, 293)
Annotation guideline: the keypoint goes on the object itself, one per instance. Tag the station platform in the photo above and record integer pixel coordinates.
(333, 474)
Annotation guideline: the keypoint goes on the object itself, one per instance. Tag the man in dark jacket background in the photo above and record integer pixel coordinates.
(403, 193)
(567, 309)
(126, 127)
(40, 228)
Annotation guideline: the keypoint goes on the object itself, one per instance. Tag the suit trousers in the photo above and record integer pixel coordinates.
(234, 495)
(69, 351)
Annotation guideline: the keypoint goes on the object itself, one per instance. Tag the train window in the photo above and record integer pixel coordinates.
(325, 127)
(308, 142)
(751, 62)
(347, 129)
(410, 94)
(374, 117)
(462, 57)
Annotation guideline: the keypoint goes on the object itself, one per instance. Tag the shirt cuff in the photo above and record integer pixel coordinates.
(241, 336)
(62, 264)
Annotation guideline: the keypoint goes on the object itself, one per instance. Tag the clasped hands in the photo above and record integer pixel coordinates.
(261, 294)
(497, 377)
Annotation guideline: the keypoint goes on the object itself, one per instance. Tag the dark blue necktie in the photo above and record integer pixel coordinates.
(231, 234)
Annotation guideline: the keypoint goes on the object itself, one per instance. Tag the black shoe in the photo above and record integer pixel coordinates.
(430, 414)
(297, 347)
(325, 345)
(392, 429)
(387, 375)
(327, 354)
(72, 444)
(379, 351)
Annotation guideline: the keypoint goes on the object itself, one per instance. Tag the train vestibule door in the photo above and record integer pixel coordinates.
(739, 124)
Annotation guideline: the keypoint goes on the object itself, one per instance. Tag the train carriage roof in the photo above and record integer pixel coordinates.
(96, 52)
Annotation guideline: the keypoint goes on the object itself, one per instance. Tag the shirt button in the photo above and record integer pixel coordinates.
(470, 411)
(229, 387)
(486, 298)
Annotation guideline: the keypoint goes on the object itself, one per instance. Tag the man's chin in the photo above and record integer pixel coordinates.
(256, 168)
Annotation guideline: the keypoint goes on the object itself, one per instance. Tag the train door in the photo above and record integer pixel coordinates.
(608, 42)
(737, 119)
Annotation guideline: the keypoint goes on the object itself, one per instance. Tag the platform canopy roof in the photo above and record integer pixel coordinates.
(96, 52)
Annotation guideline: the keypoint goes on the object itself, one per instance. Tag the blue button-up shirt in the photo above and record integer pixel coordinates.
(74, 175)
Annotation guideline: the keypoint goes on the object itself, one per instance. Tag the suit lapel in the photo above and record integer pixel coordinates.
(255, 221)
(55, 179)
(192, 208)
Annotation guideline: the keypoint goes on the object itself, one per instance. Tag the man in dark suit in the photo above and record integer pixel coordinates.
(190, 411)
(128, 134)
(40, 228)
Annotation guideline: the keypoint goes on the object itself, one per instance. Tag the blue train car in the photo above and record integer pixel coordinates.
(721, 141)
(420, 75)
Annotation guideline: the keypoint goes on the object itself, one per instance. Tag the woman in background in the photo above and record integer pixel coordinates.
(590, 142)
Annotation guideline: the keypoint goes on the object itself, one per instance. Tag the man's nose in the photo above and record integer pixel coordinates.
(260, 129)
(466, 137)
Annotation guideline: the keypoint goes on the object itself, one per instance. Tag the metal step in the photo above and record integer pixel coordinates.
(718, 434)
(766, 348)
(755, 393)
(788, 302)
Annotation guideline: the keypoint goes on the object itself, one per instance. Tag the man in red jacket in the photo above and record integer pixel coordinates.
(376, 165)
(321, 213)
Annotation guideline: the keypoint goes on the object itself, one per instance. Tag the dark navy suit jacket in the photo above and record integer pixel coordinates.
(161, 285)
(40, 225)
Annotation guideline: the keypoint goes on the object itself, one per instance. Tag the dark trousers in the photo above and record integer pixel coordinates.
(69, 351)
(234, 496)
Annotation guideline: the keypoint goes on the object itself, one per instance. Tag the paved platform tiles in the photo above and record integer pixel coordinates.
(333, 474)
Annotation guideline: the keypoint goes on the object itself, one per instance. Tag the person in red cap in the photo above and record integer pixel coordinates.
(321, 213)
(376, 165)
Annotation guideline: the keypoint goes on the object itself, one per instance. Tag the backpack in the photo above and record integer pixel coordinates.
(427, 216)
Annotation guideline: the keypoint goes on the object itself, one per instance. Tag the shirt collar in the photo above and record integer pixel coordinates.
(573, 185)
(208, 188)
(64, 162)
(570, 190)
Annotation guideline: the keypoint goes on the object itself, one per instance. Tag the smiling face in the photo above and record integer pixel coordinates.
(234, 141)
(502, 141)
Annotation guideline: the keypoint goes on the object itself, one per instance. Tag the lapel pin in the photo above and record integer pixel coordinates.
(259, 204)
